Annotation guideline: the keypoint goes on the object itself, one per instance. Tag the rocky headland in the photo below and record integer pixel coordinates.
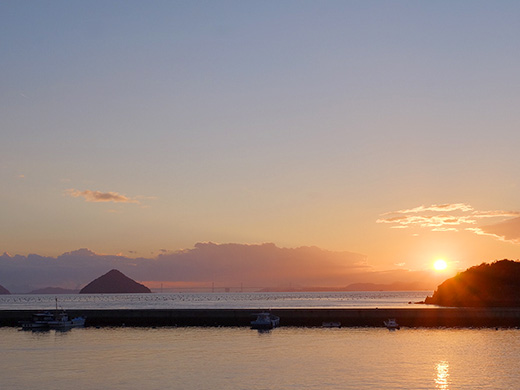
(486, 285)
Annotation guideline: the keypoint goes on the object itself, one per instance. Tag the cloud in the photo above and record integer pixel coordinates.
(451, 217)
(495, 213)
(437, 207)
(508, 230)
(255, 265)
(425, 221)
(98, 196)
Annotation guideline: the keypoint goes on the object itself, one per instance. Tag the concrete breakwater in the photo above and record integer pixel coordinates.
(412, 317)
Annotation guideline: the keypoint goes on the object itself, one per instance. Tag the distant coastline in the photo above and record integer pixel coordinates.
(355, 287)
(53, 290)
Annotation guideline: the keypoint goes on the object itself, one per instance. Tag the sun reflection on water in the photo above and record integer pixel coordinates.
(441, 380)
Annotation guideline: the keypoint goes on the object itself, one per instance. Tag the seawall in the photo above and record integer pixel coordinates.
(409, 317)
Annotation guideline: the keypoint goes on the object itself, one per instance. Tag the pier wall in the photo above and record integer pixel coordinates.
(409, 317)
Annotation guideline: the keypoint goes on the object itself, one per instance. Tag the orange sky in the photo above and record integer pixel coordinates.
(384, 129)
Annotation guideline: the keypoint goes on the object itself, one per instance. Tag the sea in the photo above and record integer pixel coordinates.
(205, 300)
(201, 358)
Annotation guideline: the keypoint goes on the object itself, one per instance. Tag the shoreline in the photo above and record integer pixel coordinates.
(307, 317)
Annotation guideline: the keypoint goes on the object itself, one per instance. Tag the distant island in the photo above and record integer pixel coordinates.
(53, 290)
(486, 285)
(114, 282)
(4, 291)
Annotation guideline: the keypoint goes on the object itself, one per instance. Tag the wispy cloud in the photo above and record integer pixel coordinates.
(436, 207)
(508, 230)
(98, 196)
(452, 217)
(496, 213)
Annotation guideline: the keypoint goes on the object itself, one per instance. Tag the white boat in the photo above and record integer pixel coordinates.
(391, 324)
(265, 320)
(62, 321)
(52, 320)
(48, 320)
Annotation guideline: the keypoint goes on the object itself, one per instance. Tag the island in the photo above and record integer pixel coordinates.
(114, 282)
(53, 291)
(4, 291)
(486, 285)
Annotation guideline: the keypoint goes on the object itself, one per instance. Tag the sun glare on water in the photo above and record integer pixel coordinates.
(440, 265)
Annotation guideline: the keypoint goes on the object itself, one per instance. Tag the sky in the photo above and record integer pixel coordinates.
(386, 129)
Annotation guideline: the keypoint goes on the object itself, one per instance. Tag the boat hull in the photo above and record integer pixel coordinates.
(265, 321)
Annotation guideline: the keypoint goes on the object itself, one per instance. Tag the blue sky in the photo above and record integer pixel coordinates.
(130, 127)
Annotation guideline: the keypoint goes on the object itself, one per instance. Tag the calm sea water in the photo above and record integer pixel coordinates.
(216, 300)
(240, 358)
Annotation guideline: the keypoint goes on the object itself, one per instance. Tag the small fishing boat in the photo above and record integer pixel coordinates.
(265, 320)
(52, 320)
(391, 324)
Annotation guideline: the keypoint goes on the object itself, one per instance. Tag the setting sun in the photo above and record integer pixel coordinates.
(440, 265)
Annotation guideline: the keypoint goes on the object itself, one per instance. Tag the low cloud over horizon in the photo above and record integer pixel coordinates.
(455, 217)
(259, 266)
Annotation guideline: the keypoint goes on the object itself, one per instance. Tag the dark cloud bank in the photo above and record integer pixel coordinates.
(264, 265)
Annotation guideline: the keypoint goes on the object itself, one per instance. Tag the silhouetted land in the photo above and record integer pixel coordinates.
(53, 290)
(4, 291)
(485, 285)
(114, 282)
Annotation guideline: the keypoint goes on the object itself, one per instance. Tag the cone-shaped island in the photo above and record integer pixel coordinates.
(114, 282)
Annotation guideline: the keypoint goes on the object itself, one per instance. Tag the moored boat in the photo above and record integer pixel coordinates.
(47, 320)
(52, 320)
(391, 324)
(62, 321)
(265, 320)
